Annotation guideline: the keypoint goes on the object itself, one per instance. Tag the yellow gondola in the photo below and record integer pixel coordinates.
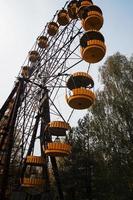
(58, 128)
(81, 98)
(92, 18)
(63, 17)
(32, 176)
(52, 28)
(35, 160)
(58, 149)
(34, 56)
(32, 182)
(82, 4)
(72, 9)
(80, 79)
(25, 71)
(92, 45)
(42, 42)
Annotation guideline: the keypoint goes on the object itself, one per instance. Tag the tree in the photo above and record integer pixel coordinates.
(102, 159)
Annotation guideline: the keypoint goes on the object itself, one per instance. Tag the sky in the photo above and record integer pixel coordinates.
(21, 21)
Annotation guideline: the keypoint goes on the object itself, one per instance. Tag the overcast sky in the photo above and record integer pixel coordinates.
(21, 21)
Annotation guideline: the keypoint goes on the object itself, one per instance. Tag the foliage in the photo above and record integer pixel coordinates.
(101, 163)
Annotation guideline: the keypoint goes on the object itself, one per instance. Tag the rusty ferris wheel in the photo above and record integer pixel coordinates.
(70, 38)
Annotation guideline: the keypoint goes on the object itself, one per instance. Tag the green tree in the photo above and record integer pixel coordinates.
(101, 163)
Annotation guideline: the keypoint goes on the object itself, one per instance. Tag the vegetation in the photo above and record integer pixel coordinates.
(101, 164)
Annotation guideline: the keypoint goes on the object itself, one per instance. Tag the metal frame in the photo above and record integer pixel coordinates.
(33, 108)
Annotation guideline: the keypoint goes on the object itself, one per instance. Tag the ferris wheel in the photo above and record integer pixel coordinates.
(32, 127)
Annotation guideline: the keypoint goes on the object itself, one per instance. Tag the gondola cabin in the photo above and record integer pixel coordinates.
(32, 182)
(63, 17)
(25, 71)
(35, 160)
(81, 96)
(58, 149)
(42, 42)
(82, 4)
(92, 46)
(34, 56)
(32, 176)
(52, 28)
(58, 128)
(92, 18)
(72, 9)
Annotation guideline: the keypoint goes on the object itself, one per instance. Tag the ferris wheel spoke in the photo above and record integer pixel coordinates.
(57, 109)
(62, 64)
(67, 43)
